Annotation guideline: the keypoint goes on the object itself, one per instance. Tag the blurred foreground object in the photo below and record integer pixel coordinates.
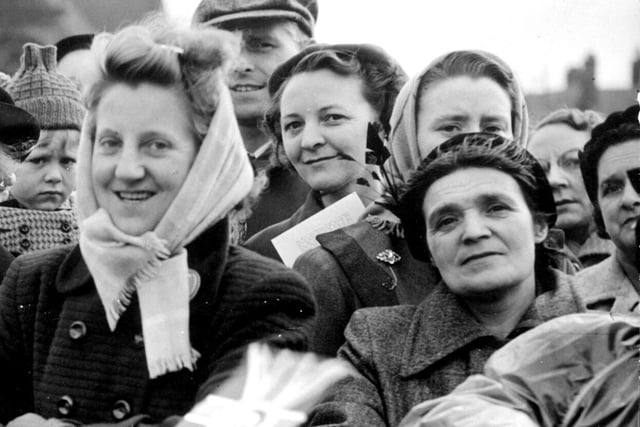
(276, 388)
(576, 370)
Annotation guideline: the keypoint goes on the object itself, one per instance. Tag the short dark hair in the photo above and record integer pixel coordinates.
(382, 78)
(619, 127)
(483, 150)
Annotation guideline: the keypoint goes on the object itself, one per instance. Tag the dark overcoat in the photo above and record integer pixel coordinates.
(58, 357)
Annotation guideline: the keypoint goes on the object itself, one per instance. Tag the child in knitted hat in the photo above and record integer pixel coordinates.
(38, 212)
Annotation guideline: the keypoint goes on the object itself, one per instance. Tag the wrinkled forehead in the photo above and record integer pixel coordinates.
(619, 158)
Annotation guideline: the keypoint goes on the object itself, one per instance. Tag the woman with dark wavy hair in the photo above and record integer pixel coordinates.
(154, 307)
(324, 100)
(478, 209)
(610, 165)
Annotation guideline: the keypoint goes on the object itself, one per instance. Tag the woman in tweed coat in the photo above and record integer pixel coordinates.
(486, 242)
(153, 308)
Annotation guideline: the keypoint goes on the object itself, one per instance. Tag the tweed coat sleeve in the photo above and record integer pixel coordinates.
(354, 401)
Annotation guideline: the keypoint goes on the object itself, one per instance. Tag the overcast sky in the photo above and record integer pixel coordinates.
(540, 39)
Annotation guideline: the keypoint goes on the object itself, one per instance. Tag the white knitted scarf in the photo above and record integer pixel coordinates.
(154, 265)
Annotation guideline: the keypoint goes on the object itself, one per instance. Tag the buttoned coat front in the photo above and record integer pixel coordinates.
(405, 355)
(58, 357)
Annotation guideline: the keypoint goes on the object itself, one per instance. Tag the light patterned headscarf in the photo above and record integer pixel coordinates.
(154, 265)
(403, 139)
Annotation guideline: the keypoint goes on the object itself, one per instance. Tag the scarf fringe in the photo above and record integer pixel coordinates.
(122, 301)
(173, 364)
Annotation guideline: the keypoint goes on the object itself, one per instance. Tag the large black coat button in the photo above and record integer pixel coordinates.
(25, 243)
(77, 330)
(121, 409)
(24, 229)
(65, 227)
(65, 405)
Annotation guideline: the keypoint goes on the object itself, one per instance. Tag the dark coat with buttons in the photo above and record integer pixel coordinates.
(405, 355)
(58, 357)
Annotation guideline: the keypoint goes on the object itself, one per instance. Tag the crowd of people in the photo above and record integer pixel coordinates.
(146, 172)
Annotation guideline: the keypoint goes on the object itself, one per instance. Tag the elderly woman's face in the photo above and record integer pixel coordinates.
(619, 202)
(324, 116)
(142, 153)
(556, 147)
(460, 105)
(481, 235)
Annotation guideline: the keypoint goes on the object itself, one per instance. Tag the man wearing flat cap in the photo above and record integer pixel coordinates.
(272, 31)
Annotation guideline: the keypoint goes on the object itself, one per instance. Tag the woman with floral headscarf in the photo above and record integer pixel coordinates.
(369, 264)
(154, 307)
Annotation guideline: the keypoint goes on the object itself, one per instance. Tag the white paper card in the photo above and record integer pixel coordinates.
(299, 239)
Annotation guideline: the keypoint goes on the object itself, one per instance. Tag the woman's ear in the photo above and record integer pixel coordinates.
(540, 230)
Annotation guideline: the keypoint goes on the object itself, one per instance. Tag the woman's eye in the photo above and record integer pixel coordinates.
(108, 143)
(570, 164)
(449, 128)
(292, 126)
(497, 207)
(609, 188)
(158, 145)
(334, 118)
(68, 161)
(493, 129)
(445, 223)
(258, 45)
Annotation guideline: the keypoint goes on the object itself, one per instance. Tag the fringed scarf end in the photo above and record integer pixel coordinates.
(173, 363)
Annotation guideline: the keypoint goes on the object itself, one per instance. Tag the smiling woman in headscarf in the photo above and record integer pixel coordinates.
(369, 264)
(153, 308)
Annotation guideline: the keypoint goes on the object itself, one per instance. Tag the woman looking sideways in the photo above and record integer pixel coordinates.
(610, 167)
(324, 99)
(496, 281)
(153, 308)
(556, 142)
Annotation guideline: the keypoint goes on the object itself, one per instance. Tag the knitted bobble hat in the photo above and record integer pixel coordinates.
(37, 87)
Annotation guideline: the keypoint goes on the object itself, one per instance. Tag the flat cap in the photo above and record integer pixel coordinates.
(218, 12)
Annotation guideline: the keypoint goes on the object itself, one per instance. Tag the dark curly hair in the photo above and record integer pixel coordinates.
(381, 75)
(482, 150)
(619, 127)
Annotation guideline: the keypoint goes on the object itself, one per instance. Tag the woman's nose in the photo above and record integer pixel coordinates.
(556, 176)
(630, 197)
(474, 227)
(311, 136)
(129, 166)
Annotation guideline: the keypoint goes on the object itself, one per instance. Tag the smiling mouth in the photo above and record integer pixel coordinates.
(318, 160)
(246, 88)
(134, 196)
(564, 202)
(478, 256)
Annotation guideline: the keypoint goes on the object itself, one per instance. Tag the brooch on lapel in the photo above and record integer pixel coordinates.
(389, 257)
